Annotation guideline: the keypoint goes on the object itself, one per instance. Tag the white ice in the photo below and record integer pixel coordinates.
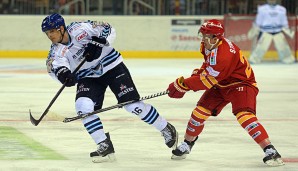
(223, 145)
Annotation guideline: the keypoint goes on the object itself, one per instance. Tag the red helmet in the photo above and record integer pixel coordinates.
(213, 27)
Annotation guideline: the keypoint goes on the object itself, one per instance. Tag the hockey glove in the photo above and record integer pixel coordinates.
(94, 48)
(177, 89)
(101, 41)
(64, 75)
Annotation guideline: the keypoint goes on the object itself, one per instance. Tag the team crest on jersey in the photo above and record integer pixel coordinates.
(81, 36)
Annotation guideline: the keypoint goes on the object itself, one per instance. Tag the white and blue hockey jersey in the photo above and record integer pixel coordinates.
(271, 18)
(71, 55)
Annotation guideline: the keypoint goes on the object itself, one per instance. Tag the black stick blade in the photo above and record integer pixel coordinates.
(33, 121)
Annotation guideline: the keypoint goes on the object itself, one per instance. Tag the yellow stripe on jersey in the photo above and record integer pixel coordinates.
(223, 86)
(212, 80)
(204, 80)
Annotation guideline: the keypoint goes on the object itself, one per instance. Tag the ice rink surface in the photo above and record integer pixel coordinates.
(223, 145)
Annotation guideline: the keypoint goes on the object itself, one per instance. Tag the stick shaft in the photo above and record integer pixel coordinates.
(114, 107)
(35, 122)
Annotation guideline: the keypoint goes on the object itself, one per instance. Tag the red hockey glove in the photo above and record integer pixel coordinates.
(177, 89)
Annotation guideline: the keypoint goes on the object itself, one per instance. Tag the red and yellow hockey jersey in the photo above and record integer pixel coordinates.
(224, 66)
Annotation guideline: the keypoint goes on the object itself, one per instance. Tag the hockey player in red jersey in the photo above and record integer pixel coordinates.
(227, 77)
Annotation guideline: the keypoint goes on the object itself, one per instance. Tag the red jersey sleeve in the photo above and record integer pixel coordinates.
(224, 66)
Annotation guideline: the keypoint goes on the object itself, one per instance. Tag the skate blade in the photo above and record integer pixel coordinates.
(174, 157)
(176, 142)
(108, 158)
(276, 162)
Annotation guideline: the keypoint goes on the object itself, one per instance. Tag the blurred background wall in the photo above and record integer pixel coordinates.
(145, 28)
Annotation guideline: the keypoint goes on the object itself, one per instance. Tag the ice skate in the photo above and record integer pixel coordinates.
(105, 151)
(182, 150)
(170, 135)
(272, 157)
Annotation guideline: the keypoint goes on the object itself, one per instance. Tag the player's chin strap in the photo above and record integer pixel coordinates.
(212, 45)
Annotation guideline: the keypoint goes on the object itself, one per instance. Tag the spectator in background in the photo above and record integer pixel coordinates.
(178, 7)
(202, 6)
(118, 7)
(271, 24)
(60, 5)
(4, 7)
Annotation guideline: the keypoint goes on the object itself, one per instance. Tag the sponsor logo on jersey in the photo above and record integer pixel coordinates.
(82, 89)
(63, 51)
(120, 75)
(212, 72)
(73, 26)
(81, 36)
(124, 90)
(212, 59)
(80, 51)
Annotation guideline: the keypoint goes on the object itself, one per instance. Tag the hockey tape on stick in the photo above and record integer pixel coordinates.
(114, 107)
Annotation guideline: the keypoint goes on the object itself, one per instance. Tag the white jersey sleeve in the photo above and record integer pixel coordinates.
(70, 55)
(56, 59)
(271, 19)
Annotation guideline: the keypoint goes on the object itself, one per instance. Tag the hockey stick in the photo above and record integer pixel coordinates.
(36, 122)
(114, 106)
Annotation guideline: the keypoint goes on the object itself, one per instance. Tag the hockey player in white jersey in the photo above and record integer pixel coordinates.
(271, 24)
(104, 68)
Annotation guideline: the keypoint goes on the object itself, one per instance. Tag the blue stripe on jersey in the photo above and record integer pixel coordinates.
(105, 61)
(93, 125)
(110, 58)
(151, 117)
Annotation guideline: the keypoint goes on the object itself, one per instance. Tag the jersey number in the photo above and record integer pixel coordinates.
(137, 111)
(243, 60)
